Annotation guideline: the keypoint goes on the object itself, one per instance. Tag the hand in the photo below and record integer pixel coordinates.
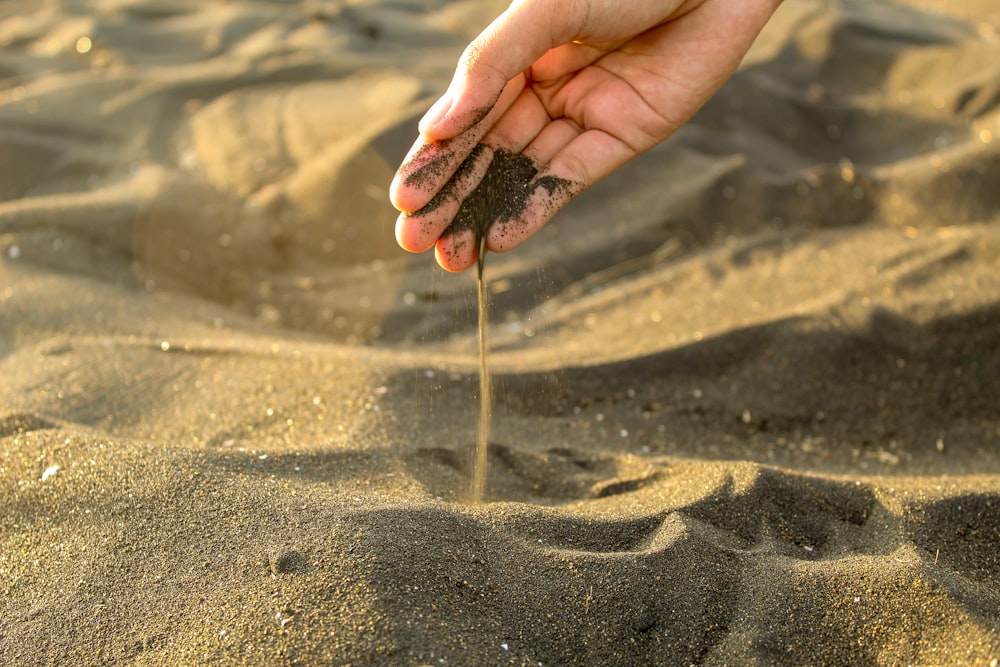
(561, 93)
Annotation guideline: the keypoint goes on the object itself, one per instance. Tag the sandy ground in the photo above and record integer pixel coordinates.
(748, 388)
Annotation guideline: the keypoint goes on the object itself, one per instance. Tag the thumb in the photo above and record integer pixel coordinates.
(507, 47)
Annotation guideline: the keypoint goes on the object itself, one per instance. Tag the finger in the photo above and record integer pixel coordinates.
(418, 231)
(457, 251)
(430, 164)
(506, 48)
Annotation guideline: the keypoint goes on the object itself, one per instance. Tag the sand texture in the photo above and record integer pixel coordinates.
(748, 387)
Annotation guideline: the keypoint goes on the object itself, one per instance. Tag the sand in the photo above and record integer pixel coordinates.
(748, 387)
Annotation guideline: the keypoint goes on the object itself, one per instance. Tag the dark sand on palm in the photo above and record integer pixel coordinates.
(747, 389)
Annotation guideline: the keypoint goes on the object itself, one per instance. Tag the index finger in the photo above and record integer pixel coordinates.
(431, 163)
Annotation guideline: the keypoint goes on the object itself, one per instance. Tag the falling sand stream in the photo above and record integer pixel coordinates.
(501, 197)
(478, 488)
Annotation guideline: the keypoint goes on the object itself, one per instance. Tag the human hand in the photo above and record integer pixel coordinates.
(550, 98)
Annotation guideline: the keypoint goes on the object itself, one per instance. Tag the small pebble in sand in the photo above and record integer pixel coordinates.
(49, 472)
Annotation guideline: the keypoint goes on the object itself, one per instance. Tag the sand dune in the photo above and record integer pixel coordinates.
(747, 387)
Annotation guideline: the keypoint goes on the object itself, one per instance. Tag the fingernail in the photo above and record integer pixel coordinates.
(435, 114)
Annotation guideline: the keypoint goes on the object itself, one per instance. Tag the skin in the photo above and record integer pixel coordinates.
(578, 86)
